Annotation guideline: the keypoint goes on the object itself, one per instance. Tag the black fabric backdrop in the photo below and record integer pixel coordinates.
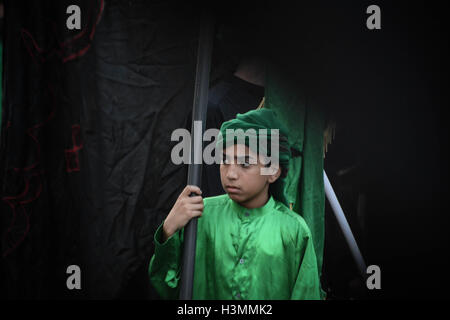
(87, 114)
(85, 150)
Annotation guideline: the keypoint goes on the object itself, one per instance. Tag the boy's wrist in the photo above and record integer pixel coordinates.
(168, 231)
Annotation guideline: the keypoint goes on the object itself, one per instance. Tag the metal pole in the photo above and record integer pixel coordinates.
(205, 43)
(343, 223)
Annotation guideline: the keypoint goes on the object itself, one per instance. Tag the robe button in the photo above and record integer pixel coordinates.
(247, 214)
(241, 261)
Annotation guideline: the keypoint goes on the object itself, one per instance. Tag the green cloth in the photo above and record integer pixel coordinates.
(256, 120)
(305, 123)
(262, 253)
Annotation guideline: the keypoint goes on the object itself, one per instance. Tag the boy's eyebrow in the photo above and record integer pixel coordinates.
(246, 157)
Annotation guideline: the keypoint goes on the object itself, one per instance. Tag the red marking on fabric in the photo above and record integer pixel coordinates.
(33, 42)
(78, 35)
(27, 186)
(14, 202)
(72, 160)
(91, 36)
(30, 133)
(77, 54)
(25, 233)
(39, 54)
(68, 42)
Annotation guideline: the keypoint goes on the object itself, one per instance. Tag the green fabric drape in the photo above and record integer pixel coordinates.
(304, 186)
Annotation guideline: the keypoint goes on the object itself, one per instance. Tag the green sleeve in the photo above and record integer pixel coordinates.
(307, 283)
(165, 265)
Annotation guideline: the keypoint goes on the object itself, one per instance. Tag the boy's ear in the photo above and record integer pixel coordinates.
(275, 176)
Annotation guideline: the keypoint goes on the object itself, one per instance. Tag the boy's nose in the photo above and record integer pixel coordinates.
(232, 173)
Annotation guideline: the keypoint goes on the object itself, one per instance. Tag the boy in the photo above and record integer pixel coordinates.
(249, 244)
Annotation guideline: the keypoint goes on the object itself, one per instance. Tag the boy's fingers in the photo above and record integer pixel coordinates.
(196, 199)
(196, 213)
(195, 189)
(196, 206)
(185, 191)
(191, 189)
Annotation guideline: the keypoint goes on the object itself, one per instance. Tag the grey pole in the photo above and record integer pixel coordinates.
(200, 104)
(343, 223)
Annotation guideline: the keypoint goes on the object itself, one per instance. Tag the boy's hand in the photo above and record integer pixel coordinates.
(184, 209)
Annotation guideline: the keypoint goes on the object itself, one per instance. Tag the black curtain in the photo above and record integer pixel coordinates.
(85, 147)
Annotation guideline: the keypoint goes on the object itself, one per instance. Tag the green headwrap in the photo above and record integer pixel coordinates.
(256, 120)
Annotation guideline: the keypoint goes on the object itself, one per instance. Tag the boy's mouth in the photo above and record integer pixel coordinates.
(232, 189)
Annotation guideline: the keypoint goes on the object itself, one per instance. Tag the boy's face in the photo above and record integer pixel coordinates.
(243, 180)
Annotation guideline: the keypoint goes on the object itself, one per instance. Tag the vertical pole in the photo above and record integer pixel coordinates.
(205, 44)
(343, 223)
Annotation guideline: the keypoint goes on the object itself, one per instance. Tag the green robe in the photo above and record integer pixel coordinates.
(261, 253)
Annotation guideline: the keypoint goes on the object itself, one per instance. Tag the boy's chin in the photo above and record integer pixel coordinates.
(236, 197)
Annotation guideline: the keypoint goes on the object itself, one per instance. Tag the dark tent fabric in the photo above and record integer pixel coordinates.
(85, 169)
(85, 145)
(1, 69)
